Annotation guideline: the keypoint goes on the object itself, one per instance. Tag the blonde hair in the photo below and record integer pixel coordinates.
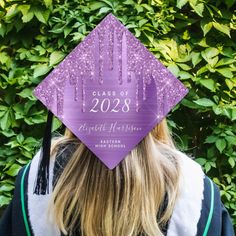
(124, 201)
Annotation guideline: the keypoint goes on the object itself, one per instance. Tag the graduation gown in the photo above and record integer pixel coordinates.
(198, 210)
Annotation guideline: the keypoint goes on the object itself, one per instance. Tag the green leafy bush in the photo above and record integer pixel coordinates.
(193, 38)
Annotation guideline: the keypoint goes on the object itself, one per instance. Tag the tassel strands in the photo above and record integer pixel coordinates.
(42, 181)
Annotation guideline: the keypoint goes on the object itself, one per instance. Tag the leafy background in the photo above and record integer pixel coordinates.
(193, 38)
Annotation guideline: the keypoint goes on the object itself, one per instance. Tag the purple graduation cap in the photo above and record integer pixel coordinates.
(110, 91)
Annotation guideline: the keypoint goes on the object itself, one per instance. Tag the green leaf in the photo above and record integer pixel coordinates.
(104, 10)
(189, 104)
(225, 61)
(5, 121)
(205, 102)
(27, 17)
(184, 75)
(203, 43)
(27, 14)
(12, 11)
(230, 83)
(217, 110)
(222, 28)
(6, 187)
(56, 57)
(3, 108)
(210, 53)
(20, 138)
(149, 36)
(201, 161)
(96, 5)
(231, 140)
(42, 15)
(4, 200)
(207, 167)
(4, 58)
(196, 58)
(198, 8)
(206, 27)
(148, 7)
(211, 139)
(233, 113)
(40, 70)
(184, 66)
(109, 2)
(181, 3)
(220, 144)
(142, 22)
(27, 93)
(174, 69)
(28, 105)
(8, 133)
(56, 124)
(129, 2)
(208, 83)
(67, 31)
(48, 3)
(137, 32)
(138, 8)
(227, 112)
(13, 170)
(2, 29)
(231, 162)
(226, 72)
(30, 140)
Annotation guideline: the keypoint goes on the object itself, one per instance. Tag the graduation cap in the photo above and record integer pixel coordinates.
(110, 91)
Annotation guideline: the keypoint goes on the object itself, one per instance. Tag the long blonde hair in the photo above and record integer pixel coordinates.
(125, 201)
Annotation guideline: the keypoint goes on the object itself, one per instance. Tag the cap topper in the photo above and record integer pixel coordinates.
(110, 91)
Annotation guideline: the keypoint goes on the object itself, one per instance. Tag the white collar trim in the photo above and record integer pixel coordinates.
(187, 210)
(38, 204)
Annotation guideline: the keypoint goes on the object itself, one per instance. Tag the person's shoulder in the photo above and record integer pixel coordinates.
(187, 158)
(189, 201)
(189, 168)
(199, 202)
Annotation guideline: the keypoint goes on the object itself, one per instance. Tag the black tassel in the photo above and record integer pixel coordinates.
(42, 181)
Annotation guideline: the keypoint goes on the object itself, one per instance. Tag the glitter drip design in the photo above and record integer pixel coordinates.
(109, 49)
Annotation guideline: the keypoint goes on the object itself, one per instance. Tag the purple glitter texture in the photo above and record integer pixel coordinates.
(110, 91)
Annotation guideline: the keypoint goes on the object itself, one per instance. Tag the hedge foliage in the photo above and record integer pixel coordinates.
(193, 38)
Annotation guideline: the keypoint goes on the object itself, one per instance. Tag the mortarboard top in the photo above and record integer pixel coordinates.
(110, 91)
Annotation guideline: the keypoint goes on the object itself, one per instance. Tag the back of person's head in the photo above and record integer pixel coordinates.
(135, 198)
